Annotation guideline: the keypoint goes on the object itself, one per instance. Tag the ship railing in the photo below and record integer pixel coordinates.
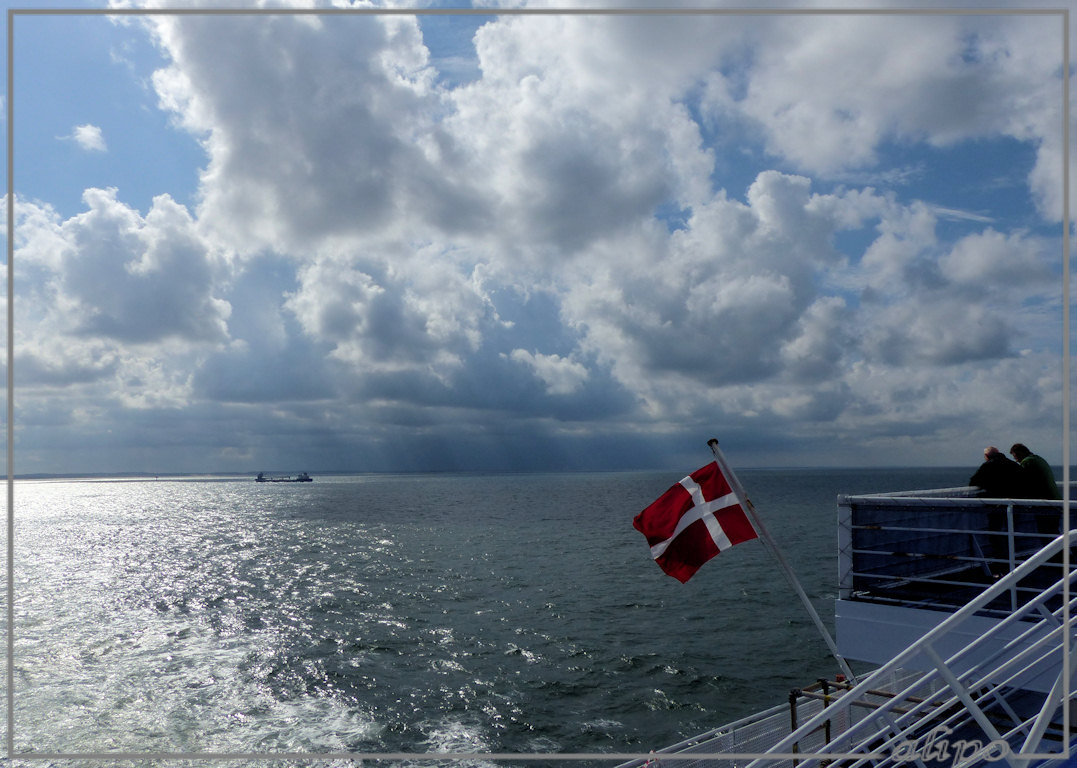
(938, 548)
(969, 703)
(734, 744)
(973, 704)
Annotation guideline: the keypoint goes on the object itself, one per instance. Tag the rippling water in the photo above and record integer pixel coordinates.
(403, 613)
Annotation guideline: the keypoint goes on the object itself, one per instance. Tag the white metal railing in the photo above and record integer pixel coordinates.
(984, 711)
(939, 548)
(734, 744)
(970, 706)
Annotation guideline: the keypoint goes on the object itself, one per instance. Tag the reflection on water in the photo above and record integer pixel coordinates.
(402, 614)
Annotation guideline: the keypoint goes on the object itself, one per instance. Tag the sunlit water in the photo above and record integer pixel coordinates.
(505, 613)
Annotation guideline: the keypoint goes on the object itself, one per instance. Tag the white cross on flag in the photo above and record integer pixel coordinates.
(693, 521)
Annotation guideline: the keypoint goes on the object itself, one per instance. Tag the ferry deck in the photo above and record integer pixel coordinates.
(963, 607)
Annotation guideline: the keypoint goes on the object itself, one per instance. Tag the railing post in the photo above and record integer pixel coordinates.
(794, 694)
(824, 684)
(1012, 548)
(845, 548)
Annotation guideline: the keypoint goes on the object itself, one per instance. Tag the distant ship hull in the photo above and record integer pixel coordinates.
(302, 477)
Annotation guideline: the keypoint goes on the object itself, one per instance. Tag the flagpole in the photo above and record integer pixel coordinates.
(780, 557)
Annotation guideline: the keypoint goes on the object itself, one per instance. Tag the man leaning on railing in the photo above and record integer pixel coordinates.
(998, 476)
(1038, 479)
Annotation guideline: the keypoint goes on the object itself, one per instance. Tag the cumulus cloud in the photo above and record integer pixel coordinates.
(114, 302)
(732, 298)
(138, 279)
(994, 261)
(415, 312)
(952, 79)
(374, 155)
(553, 248)
(89, 137)
(823, 337)
(938, 334)
(560, 375)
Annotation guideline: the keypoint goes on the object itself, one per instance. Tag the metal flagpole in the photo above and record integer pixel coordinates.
(761, 529)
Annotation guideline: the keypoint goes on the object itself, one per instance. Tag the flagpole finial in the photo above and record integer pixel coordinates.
(713, 441)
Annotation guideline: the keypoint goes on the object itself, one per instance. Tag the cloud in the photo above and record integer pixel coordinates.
(947, 334)
(820, 342)
(138, 279)
(902, 79)
(560, 375)
(723, 300)
(956, 215)
(380, 258)
(113, 304)
(374, 155)
(416, 311)
(994, 261)
(89, 137)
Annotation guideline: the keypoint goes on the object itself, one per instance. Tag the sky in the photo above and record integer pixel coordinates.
(473, 242)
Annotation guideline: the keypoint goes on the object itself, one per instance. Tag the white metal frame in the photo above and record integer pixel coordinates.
(916, 722)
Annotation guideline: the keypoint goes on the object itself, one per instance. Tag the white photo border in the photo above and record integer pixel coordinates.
(13, 13)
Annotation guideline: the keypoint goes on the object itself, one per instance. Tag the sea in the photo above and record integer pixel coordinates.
(462, 614)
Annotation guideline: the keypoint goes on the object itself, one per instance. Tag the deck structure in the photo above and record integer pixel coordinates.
(967, 606)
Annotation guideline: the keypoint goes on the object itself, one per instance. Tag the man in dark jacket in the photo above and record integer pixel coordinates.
(999, 477)
(1038, 478)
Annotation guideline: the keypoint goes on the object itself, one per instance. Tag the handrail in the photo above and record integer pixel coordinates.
(890, 551)
(923, 498)
(975, 690)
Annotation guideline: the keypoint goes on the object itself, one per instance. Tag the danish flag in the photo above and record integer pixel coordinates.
(693, 521)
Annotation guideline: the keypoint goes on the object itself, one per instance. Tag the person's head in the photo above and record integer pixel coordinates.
(1019, 451)
(991, 452)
